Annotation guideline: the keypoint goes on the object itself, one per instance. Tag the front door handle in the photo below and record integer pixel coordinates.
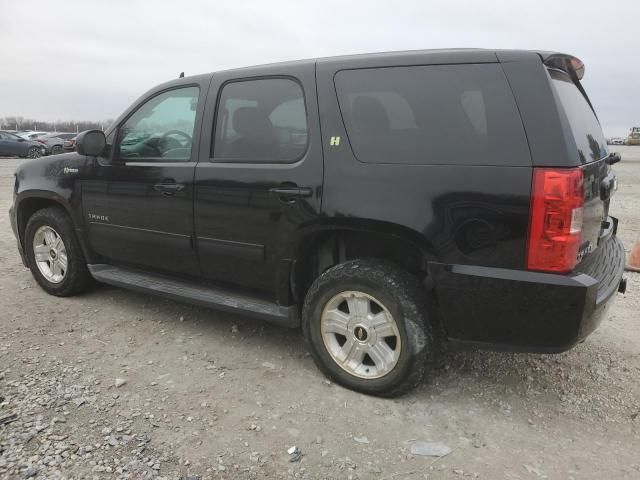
(291, 191)
(168, 189)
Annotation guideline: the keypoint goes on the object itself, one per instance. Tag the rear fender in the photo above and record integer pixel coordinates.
(319, 247)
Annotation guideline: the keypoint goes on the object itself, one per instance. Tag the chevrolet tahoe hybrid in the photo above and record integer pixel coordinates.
(389, 204)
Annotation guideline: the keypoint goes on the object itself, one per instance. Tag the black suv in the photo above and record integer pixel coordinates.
(390, 204)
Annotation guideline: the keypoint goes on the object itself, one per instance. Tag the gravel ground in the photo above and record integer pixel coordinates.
(116, 384)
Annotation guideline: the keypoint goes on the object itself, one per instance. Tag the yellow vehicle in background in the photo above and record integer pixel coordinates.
(634, 136)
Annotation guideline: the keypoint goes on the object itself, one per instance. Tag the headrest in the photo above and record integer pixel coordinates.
(371, 114)
(252, 122)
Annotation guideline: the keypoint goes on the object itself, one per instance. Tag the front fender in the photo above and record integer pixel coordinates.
(50, 181)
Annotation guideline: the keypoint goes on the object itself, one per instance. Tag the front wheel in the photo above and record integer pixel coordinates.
(54, 253)
(366, 323)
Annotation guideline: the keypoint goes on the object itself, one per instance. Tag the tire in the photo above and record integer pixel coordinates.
(34, 152)
(56, 149)
(379, 290)
(50, 274)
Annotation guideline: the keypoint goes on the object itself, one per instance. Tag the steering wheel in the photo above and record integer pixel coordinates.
(176, 132)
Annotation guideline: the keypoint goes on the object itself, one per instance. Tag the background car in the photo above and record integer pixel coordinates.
(70, 144)
(32, 135)
(53, 142)
(11, 145)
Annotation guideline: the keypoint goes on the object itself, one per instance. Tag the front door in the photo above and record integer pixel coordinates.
(259, 183)
(139, 208)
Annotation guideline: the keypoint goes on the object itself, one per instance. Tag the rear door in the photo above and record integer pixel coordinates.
(259, 179)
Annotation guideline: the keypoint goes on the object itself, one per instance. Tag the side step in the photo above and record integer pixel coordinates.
(191, 292)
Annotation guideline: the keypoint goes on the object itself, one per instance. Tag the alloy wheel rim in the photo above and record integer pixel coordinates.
(34, 153)
(360, 334)
(50, 254)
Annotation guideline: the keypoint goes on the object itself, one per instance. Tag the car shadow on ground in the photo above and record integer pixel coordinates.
(587, 380)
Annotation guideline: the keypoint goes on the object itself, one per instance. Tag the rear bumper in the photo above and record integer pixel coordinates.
(517, 310)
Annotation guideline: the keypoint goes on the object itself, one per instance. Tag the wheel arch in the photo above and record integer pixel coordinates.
(30, 202)
(320, 247)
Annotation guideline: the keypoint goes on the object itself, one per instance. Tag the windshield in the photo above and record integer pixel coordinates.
(584, 124)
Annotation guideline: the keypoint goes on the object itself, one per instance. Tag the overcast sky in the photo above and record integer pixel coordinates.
(85, 59)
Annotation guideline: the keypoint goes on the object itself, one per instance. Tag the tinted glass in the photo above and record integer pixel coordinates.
(584, 123)
(261, 121)
(441, 114)
(162, 128)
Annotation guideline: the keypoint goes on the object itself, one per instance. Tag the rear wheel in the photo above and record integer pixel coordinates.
(54, 254)
(366, 322)
(56, 149)
(34, 152)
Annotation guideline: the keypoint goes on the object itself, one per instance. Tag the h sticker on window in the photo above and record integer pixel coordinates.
(335, 141)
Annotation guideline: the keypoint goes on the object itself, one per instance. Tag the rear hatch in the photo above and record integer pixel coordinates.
(583, 126)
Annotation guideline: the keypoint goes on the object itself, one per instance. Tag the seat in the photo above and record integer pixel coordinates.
(257, 138)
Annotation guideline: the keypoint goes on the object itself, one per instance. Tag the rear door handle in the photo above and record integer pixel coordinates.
(168, 189)
(299, 192)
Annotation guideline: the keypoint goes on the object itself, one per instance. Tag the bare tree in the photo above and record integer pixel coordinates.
(70, 126)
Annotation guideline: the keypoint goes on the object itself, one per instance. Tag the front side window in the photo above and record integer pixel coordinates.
(261, 121)
(437, 114)
(162, 128)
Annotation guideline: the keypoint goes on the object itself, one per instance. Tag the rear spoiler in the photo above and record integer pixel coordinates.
(573, 66)
(561, 61)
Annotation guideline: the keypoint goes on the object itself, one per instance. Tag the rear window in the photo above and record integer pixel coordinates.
(440, 114)
(584, 124)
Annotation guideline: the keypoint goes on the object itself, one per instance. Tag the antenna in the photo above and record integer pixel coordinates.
(181, 75)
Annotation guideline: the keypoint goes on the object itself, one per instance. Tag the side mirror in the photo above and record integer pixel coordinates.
(91, 142)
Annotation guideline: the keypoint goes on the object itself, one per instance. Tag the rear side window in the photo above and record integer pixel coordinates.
(584, 124)
(261, 121)
(440, 114)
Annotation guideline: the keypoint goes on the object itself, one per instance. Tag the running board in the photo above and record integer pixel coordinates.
(191, 292)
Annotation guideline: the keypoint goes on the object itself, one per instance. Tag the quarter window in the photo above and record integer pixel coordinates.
(261, 121)
(437, 114)
(162, 128)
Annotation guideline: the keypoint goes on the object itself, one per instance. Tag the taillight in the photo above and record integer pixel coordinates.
(555, 222)
(41, 141)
